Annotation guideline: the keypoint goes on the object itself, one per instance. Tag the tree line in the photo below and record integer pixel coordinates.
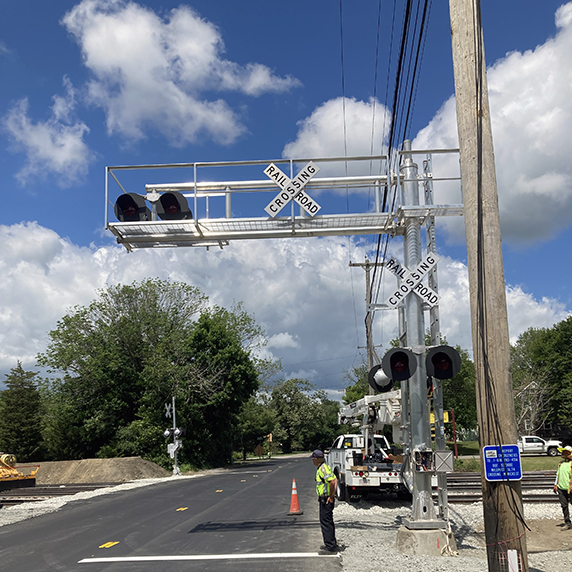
(113, 364)
(542, 377)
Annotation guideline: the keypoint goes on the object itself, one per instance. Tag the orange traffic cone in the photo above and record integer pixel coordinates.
(294, 506)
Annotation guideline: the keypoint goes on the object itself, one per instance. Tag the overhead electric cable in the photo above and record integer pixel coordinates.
(412, 43)
(418, 60)
(346, 154)
(375, 83)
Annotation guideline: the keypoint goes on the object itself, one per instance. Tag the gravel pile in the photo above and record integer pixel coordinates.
(367, 531)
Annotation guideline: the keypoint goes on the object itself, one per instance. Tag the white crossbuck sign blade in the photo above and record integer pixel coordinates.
(292, 189)
(411, 281)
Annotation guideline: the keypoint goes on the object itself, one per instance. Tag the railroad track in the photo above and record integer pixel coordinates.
(461, 488)
(466, 487)
(41, 493)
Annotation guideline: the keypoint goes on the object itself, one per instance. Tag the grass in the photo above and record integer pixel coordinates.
(465, 447)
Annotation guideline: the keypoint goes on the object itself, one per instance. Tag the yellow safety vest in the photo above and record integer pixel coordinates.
(564, 476)
(323, 476)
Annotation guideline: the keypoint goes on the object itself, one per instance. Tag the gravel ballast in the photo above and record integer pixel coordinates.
(368, 533)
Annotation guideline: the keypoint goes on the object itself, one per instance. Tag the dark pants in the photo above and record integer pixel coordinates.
(327, 522)
(565, 497)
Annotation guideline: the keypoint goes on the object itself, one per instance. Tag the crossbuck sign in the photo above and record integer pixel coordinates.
(292, 189)
(410, 281)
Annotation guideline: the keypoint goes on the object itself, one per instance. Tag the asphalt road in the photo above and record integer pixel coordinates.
(235, 520)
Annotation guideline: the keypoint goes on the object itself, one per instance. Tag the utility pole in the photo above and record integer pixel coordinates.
(502, 501)
(367, 265)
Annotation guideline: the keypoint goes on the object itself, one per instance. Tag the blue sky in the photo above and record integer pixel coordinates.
(95, 83)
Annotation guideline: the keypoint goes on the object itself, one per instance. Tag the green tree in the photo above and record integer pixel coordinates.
(460, 394)
(255, 422)
(325, 428)
(544, 356)
(229, 378)
(129, 352)
(557, 366)
(305, 419)
(20, 416)
(530, 380)
(359, 384)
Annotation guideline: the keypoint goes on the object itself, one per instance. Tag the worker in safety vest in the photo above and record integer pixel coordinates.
(563, 483)
(326, 484)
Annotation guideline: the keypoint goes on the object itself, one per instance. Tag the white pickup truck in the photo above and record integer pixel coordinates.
(360, 474)
(532, 445)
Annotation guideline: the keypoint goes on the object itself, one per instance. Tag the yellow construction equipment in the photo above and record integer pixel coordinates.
(10, 477)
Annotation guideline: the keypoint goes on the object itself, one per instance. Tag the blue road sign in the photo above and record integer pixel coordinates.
(502, 463)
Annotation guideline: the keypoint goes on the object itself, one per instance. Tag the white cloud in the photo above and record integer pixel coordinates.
(525, 312)
(53, 146)
(322, 133)
(531, 108)
(301, 291)
(42, 276)
(282, 340)
(152, 72)
(530, 97)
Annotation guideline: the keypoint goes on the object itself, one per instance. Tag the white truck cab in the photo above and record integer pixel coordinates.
(533, 445)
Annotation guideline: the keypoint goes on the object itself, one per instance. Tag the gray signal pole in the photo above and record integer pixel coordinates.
(423, 510)
(502, 500)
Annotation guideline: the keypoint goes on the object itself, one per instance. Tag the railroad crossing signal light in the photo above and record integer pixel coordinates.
(443, 362)
(131, 207)
(399, 364)
(168, 433)
(179, 433)
(378, 380)
(173, 206)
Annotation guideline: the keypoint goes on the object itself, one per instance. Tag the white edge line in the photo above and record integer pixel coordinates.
(207, 557)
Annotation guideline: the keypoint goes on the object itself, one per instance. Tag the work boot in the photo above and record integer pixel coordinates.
(326, 550)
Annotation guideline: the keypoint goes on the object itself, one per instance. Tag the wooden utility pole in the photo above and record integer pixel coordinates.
(371, 353)
(502, 501)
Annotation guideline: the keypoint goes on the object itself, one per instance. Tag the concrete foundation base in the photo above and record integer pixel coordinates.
(436, 542)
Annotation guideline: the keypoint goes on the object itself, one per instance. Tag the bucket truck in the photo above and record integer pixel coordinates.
(365, 462)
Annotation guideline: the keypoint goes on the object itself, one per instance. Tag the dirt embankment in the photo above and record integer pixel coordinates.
(96, 471)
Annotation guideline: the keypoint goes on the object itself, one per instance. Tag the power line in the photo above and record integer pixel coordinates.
(345, 155)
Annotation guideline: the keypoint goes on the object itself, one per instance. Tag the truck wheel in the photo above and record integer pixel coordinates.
(341, 491)
(552, 452)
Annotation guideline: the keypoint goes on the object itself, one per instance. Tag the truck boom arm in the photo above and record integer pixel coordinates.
(386, 407)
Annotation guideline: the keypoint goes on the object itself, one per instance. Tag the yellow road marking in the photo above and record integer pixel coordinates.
(243, 481)
(219, 491)
(182, 508)
(108, 544)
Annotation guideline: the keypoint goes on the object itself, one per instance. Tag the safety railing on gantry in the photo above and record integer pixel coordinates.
(212, 203)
